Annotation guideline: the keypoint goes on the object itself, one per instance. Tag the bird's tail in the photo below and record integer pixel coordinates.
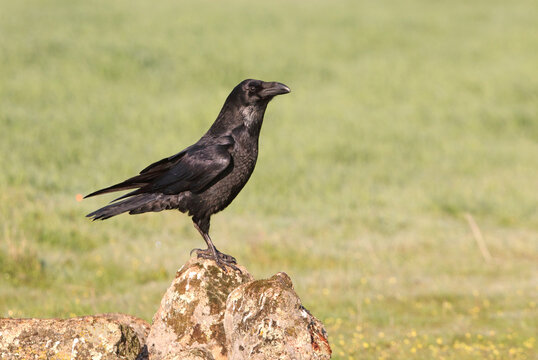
(135, 205)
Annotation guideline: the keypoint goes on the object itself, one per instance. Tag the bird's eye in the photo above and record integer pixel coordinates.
(252, 88)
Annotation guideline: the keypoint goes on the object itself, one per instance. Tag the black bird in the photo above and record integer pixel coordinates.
(205, 177)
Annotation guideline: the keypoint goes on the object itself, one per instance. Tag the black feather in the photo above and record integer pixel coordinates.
(205, 177)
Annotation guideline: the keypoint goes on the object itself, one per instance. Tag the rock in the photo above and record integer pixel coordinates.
(140, 327)
(264, 319)
(195, 353)
(206, 314)
(106, 336)
(192, 312)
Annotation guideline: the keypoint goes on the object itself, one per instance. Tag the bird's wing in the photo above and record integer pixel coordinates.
(198, 167)
(192, 169)
(166, 163)
(145, 177)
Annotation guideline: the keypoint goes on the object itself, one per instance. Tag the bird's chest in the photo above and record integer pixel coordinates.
(244, 154)
(244, 160)
(221, 194)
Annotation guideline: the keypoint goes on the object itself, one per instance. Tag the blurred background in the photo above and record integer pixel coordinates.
(409, 140)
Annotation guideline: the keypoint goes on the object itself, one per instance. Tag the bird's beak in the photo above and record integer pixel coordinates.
(273, 89)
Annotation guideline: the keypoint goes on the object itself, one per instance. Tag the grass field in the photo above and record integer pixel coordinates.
(403, 118)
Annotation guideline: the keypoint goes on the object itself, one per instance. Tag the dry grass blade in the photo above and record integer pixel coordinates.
(477, 234)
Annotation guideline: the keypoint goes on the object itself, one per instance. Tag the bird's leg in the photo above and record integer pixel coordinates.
(212, 253)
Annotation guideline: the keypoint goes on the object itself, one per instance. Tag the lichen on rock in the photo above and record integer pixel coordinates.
(107, 336)
(192, 310)
(264, 319)
(206, 314)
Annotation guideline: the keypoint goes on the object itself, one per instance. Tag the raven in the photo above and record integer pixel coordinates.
(205, 177)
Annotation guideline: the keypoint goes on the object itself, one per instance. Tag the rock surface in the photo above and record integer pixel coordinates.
(264, 319)
(106, 336)
(192, 310)
(206, 314)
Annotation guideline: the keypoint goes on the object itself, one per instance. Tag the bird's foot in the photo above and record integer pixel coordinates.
(221, 259)
(208, 254)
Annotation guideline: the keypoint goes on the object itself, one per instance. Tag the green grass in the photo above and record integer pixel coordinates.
(403, 117)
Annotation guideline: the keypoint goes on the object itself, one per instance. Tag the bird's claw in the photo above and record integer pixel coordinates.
(228, 259)
(223, 265)
(222, 259)
(208, 254)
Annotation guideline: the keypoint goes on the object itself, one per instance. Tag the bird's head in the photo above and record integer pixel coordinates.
(254, 92)
(246, 105)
